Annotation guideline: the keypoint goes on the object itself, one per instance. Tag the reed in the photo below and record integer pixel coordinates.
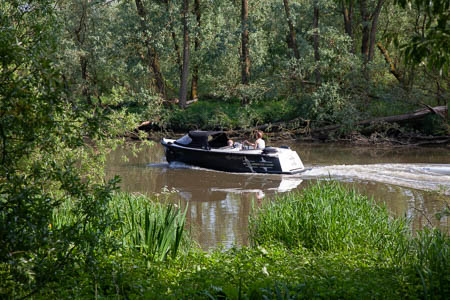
(431, 250)
(328, 216)
(156, 230)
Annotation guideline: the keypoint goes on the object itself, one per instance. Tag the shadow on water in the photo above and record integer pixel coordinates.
(411, 182)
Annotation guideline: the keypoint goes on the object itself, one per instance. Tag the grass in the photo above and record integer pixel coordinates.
(327, 217)
(328, 242)
(151, 228)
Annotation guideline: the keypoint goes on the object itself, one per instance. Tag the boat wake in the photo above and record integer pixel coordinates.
(429, 177)
(172, 165)
(158, 165)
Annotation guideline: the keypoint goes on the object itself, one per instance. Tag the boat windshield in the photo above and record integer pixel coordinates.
(185, 140)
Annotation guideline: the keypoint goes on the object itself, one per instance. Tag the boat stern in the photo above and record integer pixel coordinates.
(290, 162)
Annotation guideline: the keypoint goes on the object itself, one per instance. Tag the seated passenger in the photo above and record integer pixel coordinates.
(259, 143)
(230, 145)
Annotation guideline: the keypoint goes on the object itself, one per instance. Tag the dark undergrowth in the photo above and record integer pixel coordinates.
(231, 115)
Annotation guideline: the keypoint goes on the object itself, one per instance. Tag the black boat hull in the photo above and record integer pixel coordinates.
(235, 161)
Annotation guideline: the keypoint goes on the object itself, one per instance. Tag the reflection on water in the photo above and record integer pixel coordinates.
(219, 203)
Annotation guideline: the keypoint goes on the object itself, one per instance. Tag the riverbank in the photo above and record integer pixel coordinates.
(287, 120)
(327, 242)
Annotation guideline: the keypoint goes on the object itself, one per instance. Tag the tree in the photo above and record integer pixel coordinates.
(41, 139)
(194, 84)
(347, 13)
(174, 39)
(152, 55)
(292, 36)
(80, 37)
(245, 55)
(185, 73)
(316, 39)
(431, 45)
(369, 27)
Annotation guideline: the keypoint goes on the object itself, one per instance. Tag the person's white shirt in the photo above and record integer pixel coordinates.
(260, 144)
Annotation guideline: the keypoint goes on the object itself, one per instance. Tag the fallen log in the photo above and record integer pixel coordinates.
(439, 110)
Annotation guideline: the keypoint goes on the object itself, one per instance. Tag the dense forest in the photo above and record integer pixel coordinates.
(257, 62)
(76, 76)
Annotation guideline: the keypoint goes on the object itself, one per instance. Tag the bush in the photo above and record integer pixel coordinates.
(226, 115)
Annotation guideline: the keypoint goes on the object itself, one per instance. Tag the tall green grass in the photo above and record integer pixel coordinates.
(135, 223)
(431, 262)
(328, 216)
(154, 229)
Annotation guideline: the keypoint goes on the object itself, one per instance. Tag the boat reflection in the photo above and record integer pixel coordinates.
(205, 185)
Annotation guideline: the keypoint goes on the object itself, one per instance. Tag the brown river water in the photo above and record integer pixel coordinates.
(412, 182)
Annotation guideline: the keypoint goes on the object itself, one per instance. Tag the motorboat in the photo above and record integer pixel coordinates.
(210, 149)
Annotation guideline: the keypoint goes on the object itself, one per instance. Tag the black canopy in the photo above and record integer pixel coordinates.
(207, 139)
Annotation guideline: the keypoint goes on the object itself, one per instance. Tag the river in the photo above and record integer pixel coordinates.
(412, 182)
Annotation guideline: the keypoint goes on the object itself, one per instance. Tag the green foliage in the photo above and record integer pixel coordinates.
(414, 268)
(229, 114)
(75, 74)
(44, 159)
(327, 217)
(434, 125)
(432, 43)
(330, 106)
(153, 229)
(137, 223)
(432, 263)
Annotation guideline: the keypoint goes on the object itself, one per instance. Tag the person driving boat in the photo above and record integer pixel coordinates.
(259, 143)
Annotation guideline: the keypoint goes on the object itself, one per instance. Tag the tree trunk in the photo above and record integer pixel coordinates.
(84, 77)
(153, 59)
(373, 29)
(174, 39)
(80, 35)
(293, 39)
(365, 16)
(348, 20)
(194, 83)
(245, 57)
(185, 73)
(369, 31)
(392, 67)
(316, 40)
